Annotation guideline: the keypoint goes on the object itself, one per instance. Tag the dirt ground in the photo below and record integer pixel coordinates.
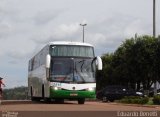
(72, 106)
(28, 108)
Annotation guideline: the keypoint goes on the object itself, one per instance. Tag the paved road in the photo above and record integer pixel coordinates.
(72, 106)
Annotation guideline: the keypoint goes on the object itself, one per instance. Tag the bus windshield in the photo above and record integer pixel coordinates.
(62, 70)
(72, 70)
(84, 70)
(71, 50)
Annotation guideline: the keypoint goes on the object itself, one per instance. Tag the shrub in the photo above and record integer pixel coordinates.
(156, 99)
(134, 100)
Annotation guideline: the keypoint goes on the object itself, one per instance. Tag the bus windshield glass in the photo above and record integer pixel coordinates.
(84, 71)
(72, 70)
(62, 70)
(71, 50)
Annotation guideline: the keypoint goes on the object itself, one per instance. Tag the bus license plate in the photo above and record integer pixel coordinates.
(73, 94)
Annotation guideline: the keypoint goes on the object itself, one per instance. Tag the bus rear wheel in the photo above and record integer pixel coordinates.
(32, 97)
(81, 101)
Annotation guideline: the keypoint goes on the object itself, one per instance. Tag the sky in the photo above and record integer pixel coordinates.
(26, 26)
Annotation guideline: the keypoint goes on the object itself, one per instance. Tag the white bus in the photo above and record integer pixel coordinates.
(63, 70)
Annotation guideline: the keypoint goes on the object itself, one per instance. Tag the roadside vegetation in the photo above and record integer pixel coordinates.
(135, 64)
(134, 100)
(17, 93)
(156, 100)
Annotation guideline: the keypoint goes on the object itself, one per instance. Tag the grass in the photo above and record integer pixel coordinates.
(130, 101)
(150, 102)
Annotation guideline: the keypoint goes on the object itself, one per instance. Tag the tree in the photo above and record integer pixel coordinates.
(134, 63)
(104, 76)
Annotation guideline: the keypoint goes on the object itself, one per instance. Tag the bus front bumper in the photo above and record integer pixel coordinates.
(71, 94)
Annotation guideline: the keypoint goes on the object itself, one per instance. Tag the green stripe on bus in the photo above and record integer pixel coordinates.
(71, 94)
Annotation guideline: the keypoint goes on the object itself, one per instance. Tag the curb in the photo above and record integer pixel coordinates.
(8, 102)
(137, 105)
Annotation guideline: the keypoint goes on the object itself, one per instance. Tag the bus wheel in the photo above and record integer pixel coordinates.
(32, 98)
(104, 99)
(43, 92)
(48, 100)
(59, 101)
(81, 101)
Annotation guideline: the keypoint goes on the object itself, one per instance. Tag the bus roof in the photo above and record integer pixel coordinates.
(69, 43)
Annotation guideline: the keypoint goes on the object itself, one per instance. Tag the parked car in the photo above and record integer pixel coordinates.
(151, 92)
(114, 92)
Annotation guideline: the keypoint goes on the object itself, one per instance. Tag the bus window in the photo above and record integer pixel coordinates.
(78, 51)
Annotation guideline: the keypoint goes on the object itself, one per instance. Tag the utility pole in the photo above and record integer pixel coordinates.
(154, 18)
(154, 35)
(136, 36)
(83, 25)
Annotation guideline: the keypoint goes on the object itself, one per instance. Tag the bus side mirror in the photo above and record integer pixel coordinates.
(48, 61)
(99, 63)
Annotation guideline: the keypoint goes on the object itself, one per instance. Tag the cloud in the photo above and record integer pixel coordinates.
(17, 48)
(5, 28)
(137, 26)
(62, 32)
(18, 27)
(25, 32)
(44, 17)
(12, 62)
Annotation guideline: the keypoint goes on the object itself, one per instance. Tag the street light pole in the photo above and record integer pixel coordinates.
(154, 18)
(83, 25)
(154, 35)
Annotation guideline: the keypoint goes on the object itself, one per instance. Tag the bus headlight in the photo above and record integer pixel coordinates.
(56, 88)
(91, 89)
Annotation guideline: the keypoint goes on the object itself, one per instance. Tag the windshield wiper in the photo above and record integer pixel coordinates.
(82, 64)
(91, 63)
(79, 72)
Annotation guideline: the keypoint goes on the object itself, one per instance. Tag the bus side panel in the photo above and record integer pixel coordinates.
(37, 74)
(36, 81)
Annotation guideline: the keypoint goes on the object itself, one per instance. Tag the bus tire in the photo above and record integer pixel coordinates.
(81, 101)
(104, 99)
(43, 92)
(48, 100)
(59, 101)
(32, 98)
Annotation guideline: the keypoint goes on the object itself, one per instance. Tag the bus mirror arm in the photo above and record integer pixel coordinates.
(47, 73)
(99, 63)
